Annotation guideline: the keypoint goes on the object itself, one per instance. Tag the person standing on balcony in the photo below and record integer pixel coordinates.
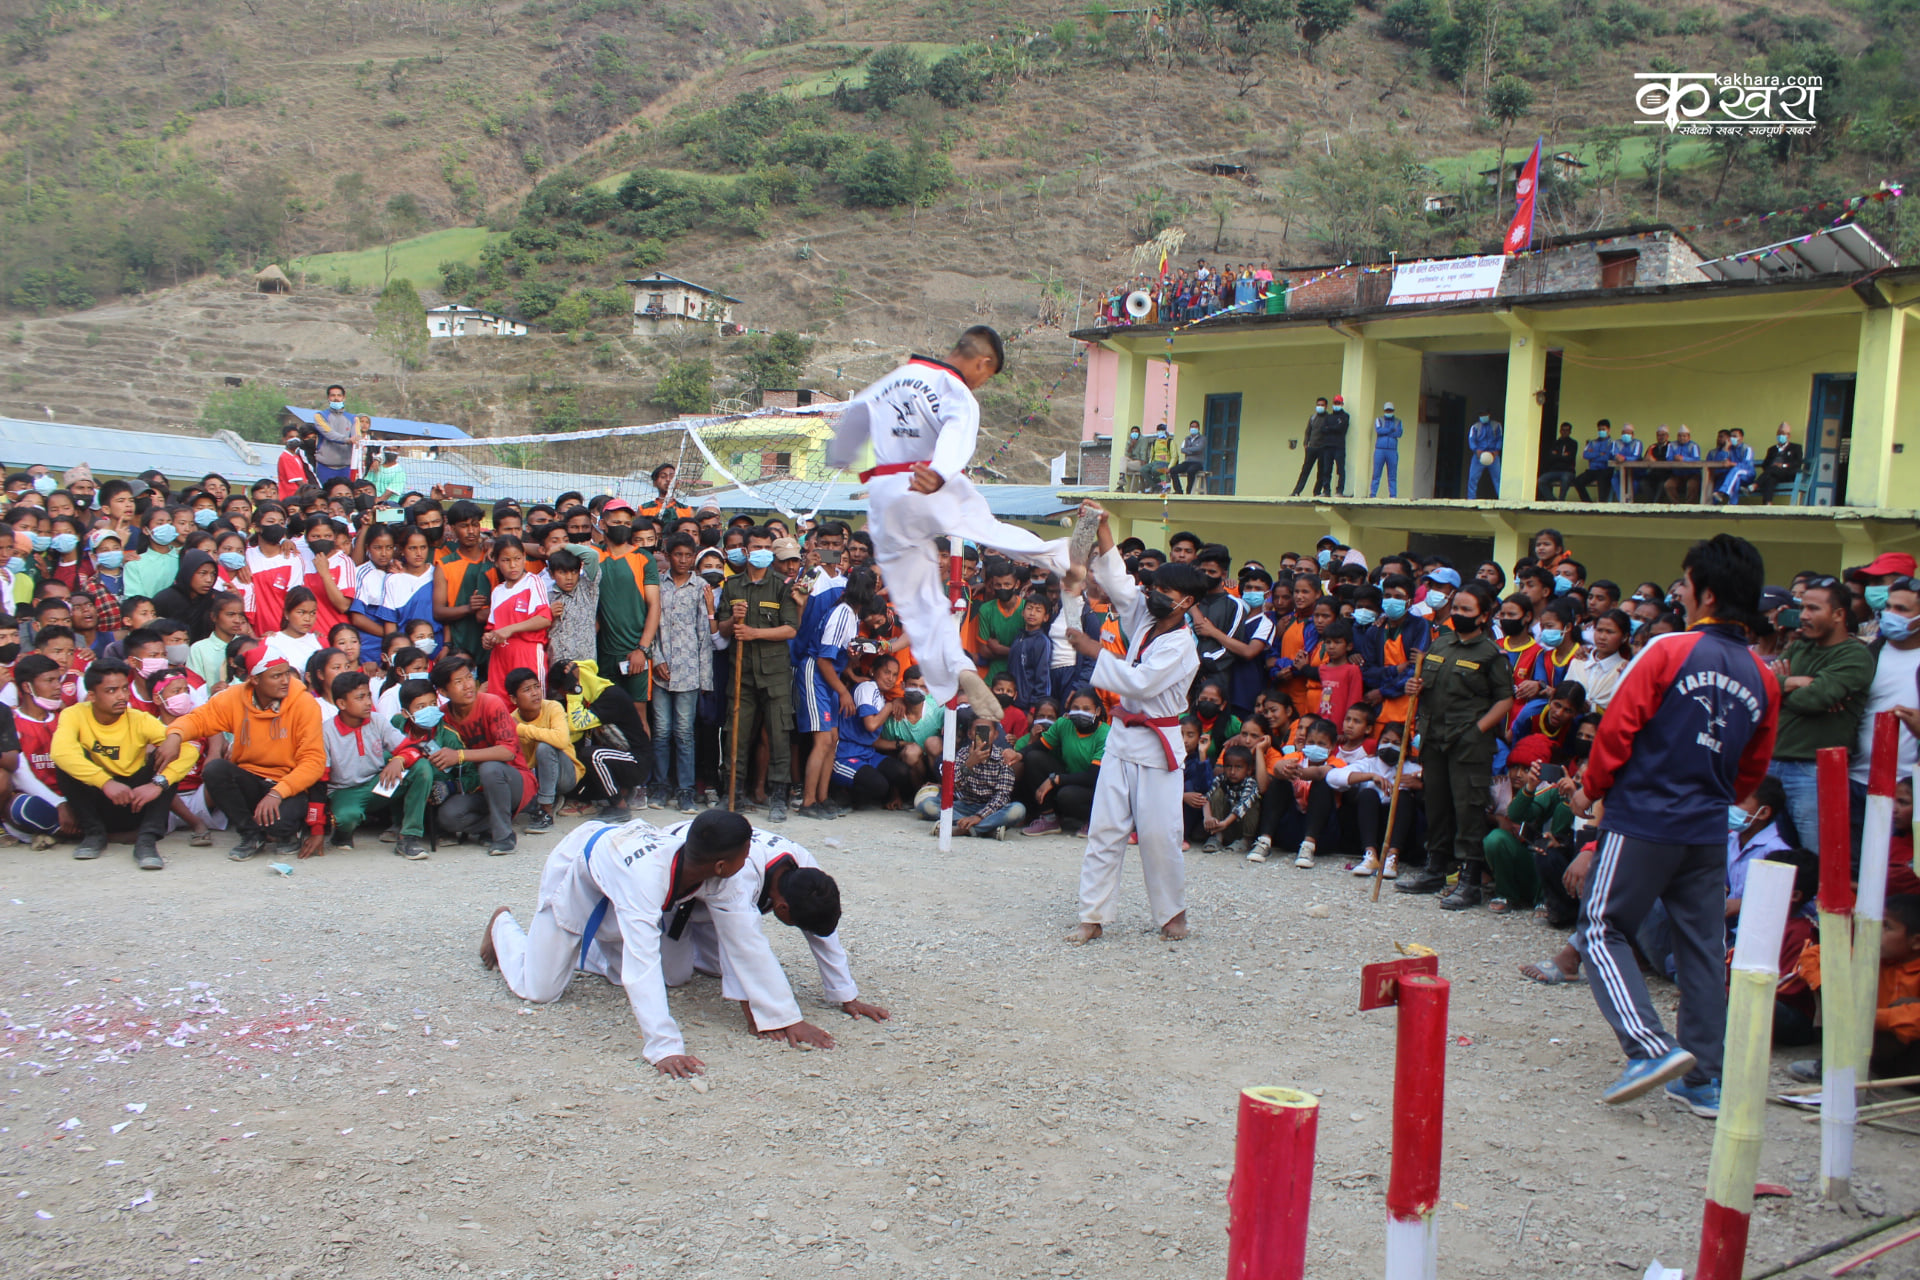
(1485, 439)
(333, 458)
(1310, 446)
(1331, 477)
(1387, 431)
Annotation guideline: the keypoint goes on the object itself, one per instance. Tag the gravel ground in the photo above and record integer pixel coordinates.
(221, 1071)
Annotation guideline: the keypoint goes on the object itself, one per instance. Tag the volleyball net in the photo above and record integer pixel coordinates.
(766, 460)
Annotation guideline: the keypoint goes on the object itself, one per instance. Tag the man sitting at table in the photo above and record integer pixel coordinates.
(1683, 486)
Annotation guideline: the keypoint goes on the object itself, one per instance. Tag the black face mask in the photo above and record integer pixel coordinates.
(1388, 753)
(914, 697)
(1206, 708)
(710, 537)
(714, 577)
(1082, 720)
(1003, 594)
(1579, 747)
(273, 534)
(1160, 605)
(619, 534)
(320, 549)
(435, 534)
(1467, 626)
(8, 652)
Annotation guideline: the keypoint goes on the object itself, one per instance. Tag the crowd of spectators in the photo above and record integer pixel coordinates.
(1180, 294)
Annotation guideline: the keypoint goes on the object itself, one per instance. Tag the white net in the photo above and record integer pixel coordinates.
(769, 459)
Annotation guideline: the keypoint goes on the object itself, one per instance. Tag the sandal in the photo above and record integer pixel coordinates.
(1548, 974)
(1499, 906)
(1540, 912)
(201, 838)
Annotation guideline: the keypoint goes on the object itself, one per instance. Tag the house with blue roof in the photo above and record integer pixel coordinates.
(384, 428)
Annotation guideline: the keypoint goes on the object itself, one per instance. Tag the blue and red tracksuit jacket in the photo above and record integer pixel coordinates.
(1689, 731)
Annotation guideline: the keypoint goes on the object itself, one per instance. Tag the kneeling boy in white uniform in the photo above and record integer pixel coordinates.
(618, 890)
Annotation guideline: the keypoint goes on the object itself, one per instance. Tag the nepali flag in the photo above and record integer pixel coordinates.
(1520, 232)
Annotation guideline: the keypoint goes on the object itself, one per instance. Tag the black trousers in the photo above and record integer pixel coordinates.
(234, 791)
(1550, 863)
(1361, 817)
(610, 774)
(615, 706)
(97, 815)
(1602, 476)
(1333, 459)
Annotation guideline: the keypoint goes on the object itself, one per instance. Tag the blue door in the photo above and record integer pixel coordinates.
(1223, 440)
(1829, 435)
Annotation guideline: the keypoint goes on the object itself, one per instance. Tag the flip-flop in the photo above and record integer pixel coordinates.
(1547, 974)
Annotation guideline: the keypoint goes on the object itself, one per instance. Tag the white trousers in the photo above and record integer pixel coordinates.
(196, 801)
(1128, 798)
(696, 950)
(903, 526)
(538, 962)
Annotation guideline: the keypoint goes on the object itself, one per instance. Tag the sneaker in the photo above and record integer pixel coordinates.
(496, 848)
(1259, 851)
(657, 800)
(1368, 865)
(1806, 1070)
(1392, 871)
(288, 845)
(1304, 858)
(412, 848)
(390, 836)
(90, 848)
(976, 694)
(250, 843)
(613, 814)
(1000, 833)
(1044, 825)
(540, 820)
(823, 811)
(687, 803)
(1646, 1074)
(637, 798)
(146, 856)
(777, 809)
(1701, 1099)
(1212, 845)
(340, 839)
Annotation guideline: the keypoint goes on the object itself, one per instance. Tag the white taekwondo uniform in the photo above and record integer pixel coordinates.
(698, 949)
(923, 412)
(1140, 776)
(631, 869)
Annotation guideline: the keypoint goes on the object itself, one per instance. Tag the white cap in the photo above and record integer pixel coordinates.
(1389, 406)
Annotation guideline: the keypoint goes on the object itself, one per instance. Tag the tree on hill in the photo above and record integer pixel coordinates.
(250, 411)
(400, 323)
(686, 387)
(1508, 98)
(1317, 19)
(775, 359)
(893, 73)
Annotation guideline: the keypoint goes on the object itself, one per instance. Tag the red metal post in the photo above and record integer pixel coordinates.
(1272, 1190)
(1835, 834)
(1419, 1096)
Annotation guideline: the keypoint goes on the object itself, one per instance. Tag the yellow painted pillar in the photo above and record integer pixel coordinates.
(1359, 374)
(1130, 395)
(1526, 374)
(1876, 405)
(1509, 542)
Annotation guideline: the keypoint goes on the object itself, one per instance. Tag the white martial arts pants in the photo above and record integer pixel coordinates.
(903, 526)
(696, 950)
(1128, 798)
(196, 802)
(539, 962)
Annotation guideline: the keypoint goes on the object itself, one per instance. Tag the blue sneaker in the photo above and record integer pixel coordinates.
(1645, 1074)
(1701, 1099)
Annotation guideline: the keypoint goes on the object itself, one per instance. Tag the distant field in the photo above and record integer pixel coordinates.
(722, 182)
(822, 83)
(1683, 154)
(417, 259)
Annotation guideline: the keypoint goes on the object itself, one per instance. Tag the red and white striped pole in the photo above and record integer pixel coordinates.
(957, 598)
(1272, 1189)
(1419, 1097)
(1870, 897)
(1839, 1041)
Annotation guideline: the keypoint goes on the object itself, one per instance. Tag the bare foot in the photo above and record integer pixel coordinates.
(488, 956)
(1175, 929)
(1083, 933)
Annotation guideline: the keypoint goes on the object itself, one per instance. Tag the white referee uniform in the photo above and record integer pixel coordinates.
(1140, 775)
(632, 868)
(923, 412)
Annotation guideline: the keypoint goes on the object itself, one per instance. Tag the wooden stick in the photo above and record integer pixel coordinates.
(1861, 1259)
(733, 735)
(1399, 766)
(1897, 1107)
(1834, 1246)
(1895, 1083)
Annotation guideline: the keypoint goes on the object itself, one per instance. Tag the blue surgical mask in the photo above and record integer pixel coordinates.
(1365, 617)
(41, 542)
(1436, 600)
(1394, 607)
(232, 561)
(1416, 742)
(1561, 585)
(1894, 627)
(166, 535)
(425, 646)
(336, 405)
(1315, 753)
(110, 560)
(1634, 625)
(1253, 599)
(205, 516)
(1552, 636)
(760, 557)
(1737, 818)
(66, 543)
(1604, 435)
(428, 717)
(1323, 558)
(16, 565)
(1782, 439)
(45, 484)
(736, 556)
(1876, 596)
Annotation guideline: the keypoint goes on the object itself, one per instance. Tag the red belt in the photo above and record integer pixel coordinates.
(887, 469)
(1135, 720)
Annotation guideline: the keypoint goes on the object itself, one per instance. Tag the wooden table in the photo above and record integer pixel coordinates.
(1626, 470)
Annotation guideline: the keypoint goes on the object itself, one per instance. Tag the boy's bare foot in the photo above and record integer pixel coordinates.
(1175, 929)
(1083, 933)
(488, 956)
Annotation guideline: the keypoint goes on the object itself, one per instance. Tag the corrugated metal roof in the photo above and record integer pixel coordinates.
(113, 452)
(395, 426)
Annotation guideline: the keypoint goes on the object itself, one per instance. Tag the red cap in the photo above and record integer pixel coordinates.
(618, 504)
(1887, 562)
(260, 659)
(1339, 399)
(1535, 748)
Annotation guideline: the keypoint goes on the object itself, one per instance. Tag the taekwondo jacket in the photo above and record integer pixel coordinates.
(1152, 680)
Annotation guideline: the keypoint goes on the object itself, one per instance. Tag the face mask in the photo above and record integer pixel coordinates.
(1206, 708)
(273, 534)
(1895, 627)
(1604, 434)
(1193, 431)
(1626, 437)
(1082, 720)
(619, 535)
(1319, 408)
(41, 542)
(1394, 607)
(428, 718)
(166, 535)
(66, 543)
(736, 556)
(46, 704)
(1467, 626)
(1562, 585)
(231, 561)
(1041, 724)
(760, 557)
(1737, 818)
(149, 667)
(1788, 620)
(1389, 753)
(205, 516)
(713, 577)
(1782, 440)
(425, 646)
(1315, 753)
(435, 534)
(179, 703)
(1876, 596)
(336, 405)
(1253, 599)
(1365, 617)
(1507, 626)
(16, 565)
(914, 697)
(1634, 625)
(1003, 594)
(9, 652)
(1552, 637)
(1323, 558)
(1436, 599)
(177, 654)
(1160, 605)
(1579, 747)
(1133, 435)
(45, 484)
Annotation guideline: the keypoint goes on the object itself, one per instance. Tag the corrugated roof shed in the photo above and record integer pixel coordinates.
(110, 451)
(396, 426)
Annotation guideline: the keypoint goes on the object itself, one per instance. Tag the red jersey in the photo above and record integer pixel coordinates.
(36, 746)
(341, 566)
(266, 596)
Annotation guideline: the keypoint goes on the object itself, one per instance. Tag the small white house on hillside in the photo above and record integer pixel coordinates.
(661, 300)
(455, 321)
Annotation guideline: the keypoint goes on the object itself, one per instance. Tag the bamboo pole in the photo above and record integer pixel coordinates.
(950, 730)
(1399, 767)
(1839, 1041)
(1876, 840)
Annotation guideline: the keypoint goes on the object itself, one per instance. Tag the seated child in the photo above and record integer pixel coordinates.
(1196, 783)
(1232, 816)
(1896, 1018)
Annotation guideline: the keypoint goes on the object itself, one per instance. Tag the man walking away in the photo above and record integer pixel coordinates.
(1824, 677)
(1687, 735)
(1387, 430)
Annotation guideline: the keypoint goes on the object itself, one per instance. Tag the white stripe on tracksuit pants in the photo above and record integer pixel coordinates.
(1628, 876)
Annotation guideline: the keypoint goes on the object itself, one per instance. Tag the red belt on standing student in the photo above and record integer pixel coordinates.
(887, 469)
(1136, 720)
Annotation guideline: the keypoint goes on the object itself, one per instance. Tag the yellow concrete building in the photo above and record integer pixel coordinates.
(1821, 350)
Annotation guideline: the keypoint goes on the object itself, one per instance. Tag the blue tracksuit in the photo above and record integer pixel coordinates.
(1386, 455)
(1484, 437)
(1628, 450)
(1741, 456)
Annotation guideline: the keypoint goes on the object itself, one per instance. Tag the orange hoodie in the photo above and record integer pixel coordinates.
(283, 745)
(1897, 982)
